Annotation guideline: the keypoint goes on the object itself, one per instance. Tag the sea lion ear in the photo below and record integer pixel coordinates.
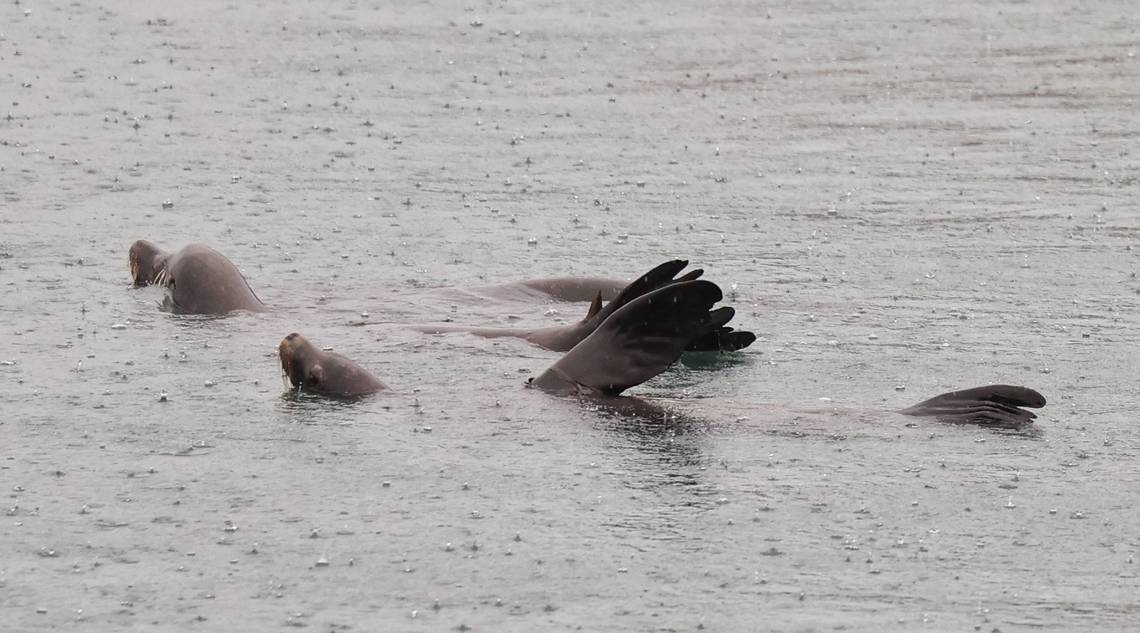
(317, 375)
(595, 305)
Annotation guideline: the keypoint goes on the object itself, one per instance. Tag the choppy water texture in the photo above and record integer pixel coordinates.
(902, 198)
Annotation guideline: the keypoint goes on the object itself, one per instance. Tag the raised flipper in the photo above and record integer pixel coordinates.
(721, 339)
(639, 340)
(660, 276)
(563, 339)
(992, 405)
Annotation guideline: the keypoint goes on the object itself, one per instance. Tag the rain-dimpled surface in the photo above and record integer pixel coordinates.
(900, 199)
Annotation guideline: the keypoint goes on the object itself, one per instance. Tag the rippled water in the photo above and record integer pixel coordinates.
(899, 199)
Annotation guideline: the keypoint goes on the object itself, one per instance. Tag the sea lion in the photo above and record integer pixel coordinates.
(326, 373)
(198, 279)
(644, 337)
(639, 341)
(563, 338)
(634, 344)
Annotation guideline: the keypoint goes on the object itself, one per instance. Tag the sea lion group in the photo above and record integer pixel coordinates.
(645, 327)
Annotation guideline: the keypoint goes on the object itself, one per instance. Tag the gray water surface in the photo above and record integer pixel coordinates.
(899, 198)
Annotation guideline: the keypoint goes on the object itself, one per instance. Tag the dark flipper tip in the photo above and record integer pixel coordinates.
(724, 339)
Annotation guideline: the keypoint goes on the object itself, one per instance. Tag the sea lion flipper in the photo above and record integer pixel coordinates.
(639, 340)
(595, 306)
(993, 405)
(658, 276)
(724, 339)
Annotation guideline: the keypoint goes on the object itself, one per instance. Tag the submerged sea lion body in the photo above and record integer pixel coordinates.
(198, 279)
(562, 289)
(563, 338)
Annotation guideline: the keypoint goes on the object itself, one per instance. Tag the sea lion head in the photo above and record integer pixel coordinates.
(300, 362)
(147, 263)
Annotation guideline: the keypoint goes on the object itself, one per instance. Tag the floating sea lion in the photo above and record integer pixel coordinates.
(637, 342)
(563, 338)
(634, 344)
(199, 279)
